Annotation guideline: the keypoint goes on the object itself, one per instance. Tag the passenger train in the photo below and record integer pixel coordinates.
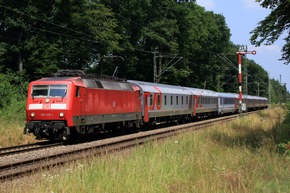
(59, 108)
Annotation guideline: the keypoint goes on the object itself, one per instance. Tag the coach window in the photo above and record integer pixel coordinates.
(171, 100)
(176, 100)
(77, 91)
(165, 100)
(151, 100)
(181, 100)
(158, 99)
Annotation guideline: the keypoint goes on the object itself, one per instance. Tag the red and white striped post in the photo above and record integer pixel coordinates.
(240, 54)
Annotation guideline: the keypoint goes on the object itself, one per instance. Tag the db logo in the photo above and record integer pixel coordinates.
(46, 106)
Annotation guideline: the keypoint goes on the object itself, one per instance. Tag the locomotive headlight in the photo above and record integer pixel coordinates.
(61, 114)
(32, 114)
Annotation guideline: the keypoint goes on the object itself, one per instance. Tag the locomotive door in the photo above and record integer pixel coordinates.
(83, 104)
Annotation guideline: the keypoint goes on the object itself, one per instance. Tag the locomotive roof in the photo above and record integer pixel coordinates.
(59, 79)
(76, 80)
(88, 82)
(108, 84)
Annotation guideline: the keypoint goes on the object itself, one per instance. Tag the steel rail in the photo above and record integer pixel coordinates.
(26, 148)
(21, 168)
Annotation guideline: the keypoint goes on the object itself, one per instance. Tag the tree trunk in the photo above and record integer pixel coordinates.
(20, 62)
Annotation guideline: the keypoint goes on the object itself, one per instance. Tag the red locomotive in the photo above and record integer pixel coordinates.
(58, 107)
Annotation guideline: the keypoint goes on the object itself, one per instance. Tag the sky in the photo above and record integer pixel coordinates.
(242, 16)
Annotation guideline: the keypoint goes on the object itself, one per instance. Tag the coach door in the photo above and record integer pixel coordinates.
(195, 101)
(146, 107)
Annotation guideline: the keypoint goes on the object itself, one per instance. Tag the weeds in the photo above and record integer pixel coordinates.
(224, 158)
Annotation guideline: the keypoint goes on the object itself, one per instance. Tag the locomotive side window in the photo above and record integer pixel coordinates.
(49, 90)
(77, 91)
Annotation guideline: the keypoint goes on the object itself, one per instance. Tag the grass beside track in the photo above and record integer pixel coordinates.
(11, 133)
(242, 156)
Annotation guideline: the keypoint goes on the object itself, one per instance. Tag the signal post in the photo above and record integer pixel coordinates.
(240, 53)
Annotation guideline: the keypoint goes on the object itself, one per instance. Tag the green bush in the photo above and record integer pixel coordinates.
(13, 91)
(284, 137)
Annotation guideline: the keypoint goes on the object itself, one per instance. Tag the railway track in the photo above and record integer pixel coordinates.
(15, 166)
(26, 148)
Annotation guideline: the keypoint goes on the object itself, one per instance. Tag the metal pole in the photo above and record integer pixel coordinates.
(240, 82)
(258, 88)
(154, 67)
(240, 54)
(269, 91)
(154, 64)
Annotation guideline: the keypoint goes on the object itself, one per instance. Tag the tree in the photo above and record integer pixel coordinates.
(41, 37)
(257, 78)
(271, 28)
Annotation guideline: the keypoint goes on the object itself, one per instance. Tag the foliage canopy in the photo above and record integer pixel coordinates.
(189, 45)
(273, 26)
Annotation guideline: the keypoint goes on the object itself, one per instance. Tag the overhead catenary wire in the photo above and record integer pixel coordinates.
(45, 21)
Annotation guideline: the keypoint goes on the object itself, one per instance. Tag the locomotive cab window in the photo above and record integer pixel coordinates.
(56, 90)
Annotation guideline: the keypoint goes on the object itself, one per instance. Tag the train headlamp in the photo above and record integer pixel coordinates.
(32, 114)
(61, 114)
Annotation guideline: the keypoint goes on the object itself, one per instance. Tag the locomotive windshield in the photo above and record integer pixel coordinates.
(55, 90)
